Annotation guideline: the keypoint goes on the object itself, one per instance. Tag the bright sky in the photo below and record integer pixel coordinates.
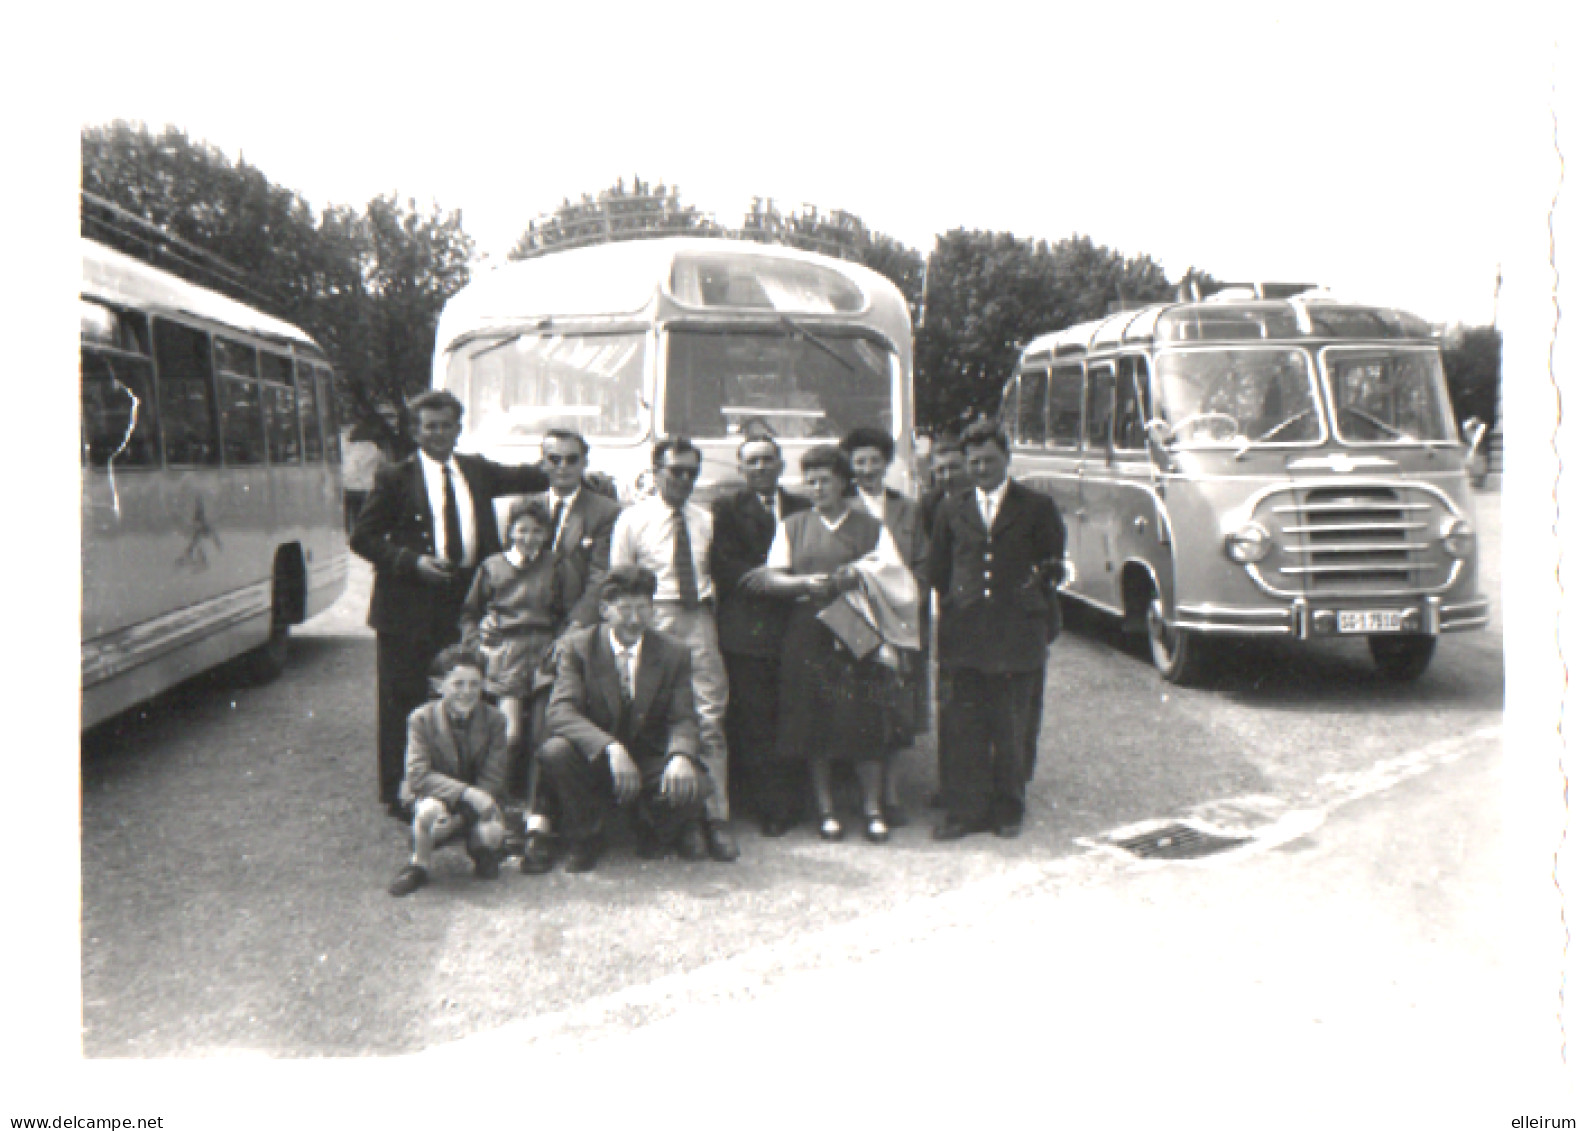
(1356, 146)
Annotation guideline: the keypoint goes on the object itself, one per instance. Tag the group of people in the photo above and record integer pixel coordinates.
(641, 659)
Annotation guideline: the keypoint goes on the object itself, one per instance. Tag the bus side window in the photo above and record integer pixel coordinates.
(1065, 413)
(327, 400)
(187, 395)
(1129, 417)
(280, 408)
(1098, 407)
(241, 406)
(1032, 408)
(308, 410)
(118, 412)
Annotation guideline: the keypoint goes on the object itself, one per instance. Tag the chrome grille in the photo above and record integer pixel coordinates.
(1354, 540)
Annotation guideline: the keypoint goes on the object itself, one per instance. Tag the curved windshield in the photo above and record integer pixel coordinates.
(1388, 396)
(798, 383)
(1238, 397)
(515, 390)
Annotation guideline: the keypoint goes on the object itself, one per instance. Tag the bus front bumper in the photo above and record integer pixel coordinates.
(1307, 619)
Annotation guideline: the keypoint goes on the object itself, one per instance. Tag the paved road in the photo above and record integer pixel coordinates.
(234, 861)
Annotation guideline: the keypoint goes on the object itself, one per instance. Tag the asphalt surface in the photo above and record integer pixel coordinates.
(234, 861)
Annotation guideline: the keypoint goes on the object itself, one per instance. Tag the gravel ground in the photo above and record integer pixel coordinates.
(235, 861)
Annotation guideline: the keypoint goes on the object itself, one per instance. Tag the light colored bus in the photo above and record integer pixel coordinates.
(708, 338)
(1252, 466)
(211, 483)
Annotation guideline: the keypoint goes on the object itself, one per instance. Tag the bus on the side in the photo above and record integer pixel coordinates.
(706, 338)
(1255, 466)
(211, 483)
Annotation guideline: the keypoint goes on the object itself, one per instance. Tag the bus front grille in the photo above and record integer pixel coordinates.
(1355, 540)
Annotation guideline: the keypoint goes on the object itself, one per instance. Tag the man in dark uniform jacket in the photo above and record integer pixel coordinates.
(749, 627)
(428, 523)
(993, 550)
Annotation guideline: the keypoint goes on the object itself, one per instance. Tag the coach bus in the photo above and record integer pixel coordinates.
(1255, 466)
(211, 483)
(707, 338)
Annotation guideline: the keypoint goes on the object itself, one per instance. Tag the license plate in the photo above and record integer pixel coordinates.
(1372, 621)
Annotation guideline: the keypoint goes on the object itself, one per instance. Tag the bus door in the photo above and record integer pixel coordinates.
(1094, 497)
(1065, 434)
(1134, 520)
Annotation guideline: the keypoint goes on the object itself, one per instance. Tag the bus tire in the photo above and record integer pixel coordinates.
(1179, 656)
(1402, 658)
(268, 660)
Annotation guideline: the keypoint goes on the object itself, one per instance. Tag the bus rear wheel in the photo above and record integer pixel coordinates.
(1179, 656)
(268, 661)
(1402, 658)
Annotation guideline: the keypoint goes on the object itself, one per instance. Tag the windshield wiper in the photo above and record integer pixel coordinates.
(818, 343)
(1271, 432)
(493, 346)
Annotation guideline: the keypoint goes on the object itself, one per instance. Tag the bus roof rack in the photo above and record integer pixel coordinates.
(1247, 292)
(106, 222)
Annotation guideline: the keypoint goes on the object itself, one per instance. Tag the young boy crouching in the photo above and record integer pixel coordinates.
(457, 763)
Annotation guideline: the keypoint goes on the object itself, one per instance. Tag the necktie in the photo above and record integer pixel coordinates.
(769, 502)
(452, 519)
(556, 521)
(625, 667)
(683, 562)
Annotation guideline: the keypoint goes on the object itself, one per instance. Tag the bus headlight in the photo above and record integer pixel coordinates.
(1458, 537)
(1250, 543)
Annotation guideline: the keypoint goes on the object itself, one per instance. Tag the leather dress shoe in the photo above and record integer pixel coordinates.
(399, 812)
(538, 856)
(719, 842)
(953, 829)
(582, 856)
(409, 880)
(693, 845)
(487, 864)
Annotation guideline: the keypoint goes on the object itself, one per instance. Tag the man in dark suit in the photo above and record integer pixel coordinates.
(749, 628)
(993, 551)
(948, 477)
(428, 523)
(623, 729)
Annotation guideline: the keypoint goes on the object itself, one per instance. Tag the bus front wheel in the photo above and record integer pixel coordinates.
(1179, 656)
(1402, 658)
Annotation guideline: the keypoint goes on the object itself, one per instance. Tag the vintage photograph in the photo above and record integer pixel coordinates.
(834, 564)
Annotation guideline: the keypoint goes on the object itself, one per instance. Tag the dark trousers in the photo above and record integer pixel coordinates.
(986, 739)
(774, 788)
(583, 791)
(402, 671)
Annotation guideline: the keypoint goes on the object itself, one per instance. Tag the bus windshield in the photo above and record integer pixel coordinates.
(1238, 397)
(800, 383)
(516, 389)
(1388, 397)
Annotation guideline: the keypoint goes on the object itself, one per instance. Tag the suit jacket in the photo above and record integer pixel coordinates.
(994, 611)
(586, 544)
(747, 624)
(395, 527)
(587, 708)
(439, 766)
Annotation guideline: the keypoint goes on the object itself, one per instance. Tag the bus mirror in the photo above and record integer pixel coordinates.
(1475, 430)
(1157, 438)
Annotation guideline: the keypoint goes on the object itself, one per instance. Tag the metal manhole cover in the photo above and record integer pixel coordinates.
(1177, 841)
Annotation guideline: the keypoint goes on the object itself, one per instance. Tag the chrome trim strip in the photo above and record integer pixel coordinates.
(117, 652)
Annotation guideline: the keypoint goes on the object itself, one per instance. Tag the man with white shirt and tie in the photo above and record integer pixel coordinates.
(994, 552)
(671, 537)
(428, 523)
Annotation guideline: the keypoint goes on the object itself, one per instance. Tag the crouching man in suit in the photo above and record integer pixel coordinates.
(456, 772)
(622, 728)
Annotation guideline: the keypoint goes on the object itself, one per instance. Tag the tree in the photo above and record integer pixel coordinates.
(367, 285)
(1473, 363)
(988, 293)
(617, 213)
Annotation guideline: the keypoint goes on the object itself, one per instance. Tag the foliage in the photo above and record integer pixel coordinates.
(368, 286)
(989, 293)
(1473, 362)
(617, 213)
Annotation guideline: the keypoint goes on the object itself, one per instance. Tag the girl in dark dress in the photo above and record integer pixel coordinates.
(835, 707)
(515, 610)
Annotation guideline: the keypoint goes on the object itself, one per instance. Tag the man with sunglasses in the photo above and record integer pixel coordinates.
(581, 524)
(671, 537)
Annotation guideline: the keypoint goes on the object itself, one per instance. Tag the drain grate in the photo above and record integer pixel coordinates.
(1177, 841)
